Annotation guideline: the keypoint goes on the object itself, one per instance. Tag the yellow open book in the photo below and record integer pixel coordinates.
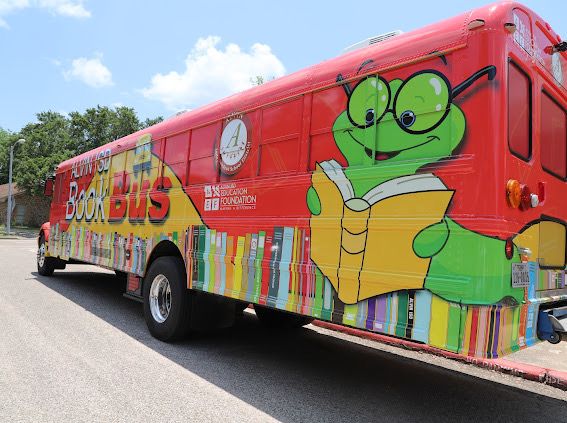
(364, 246)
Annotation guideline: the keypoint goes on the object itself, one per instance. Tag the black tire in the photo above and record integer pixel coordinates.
(121, 280)
(240, 306)
(555, 338)
(121, 275)
(45, 265)
(176, 324)
(280, 319)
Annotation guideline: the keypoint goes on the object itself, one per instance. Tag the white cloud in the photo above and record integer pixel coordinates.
(9, 6)
(70, 8)
(90, 71)
(212, 73)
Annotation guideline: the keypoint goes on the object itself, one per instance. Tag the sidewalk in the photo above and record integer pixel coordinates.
(543, 362)
(19, 232)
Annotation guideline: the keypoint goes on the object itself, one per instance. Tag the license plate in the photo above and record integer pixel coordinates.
(520, 275)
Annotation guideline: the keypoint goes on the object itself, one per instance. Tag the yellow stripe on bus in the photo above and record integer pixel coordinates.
(439, 319)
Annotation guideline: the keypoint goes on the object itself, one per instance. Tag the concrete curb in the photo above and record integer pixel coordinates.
(550, 377)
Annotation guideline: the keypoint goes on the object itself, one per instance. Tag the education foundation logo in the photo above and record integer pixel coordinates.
(228, 197)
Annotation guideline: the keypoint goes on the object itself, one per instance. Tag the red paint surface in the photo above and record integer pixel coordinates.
(290, 121)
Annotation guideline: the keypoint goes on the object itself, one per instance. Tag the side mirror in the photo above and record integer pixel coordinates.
(48, 187)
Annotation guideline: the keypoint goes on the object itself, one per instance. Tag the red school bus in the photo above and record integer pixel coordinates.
(415, 187)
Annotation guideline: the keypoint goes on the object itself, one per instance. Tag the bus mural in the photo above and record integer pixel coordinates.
(389, 191)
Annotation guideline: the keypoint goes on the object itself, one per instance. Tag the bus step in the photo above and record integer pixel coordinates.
(552, 325)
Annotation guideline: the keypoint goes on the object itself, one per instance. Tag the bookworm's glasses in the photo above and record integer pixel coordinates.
(421, 103)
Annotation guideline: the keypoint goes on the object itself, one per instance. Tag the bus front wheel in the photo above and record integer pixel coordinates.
(45, 265)
(280, 319)
(167, 301)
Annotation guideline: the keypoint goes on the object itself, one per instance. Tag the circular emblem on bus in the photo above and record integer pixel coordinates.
(556, 67)
(234, 146)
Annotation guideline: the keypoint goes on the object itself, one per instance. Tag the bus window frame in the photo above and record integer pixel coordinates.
(58, 184)
(548, 92)
(524, 71)
(187, 152)
(546, 218)
(281, 138)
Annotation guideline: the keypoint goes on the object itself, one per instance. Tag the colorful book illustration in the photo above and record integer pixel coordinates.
(209, 282)
(273, 284)
(222, 264)
(284, 267)
(267, 272)
(135, 250)
(350, 312)
(197, 252)
(252, 267)
(244, 264)
(371, 258)
(237, 287)
(258, 265)
(206, 266)
(327, 309)
(215, 287)
(235, 267)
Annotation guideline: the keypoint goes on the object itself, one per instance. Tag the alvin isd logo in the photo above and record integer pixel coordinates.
(234, 146)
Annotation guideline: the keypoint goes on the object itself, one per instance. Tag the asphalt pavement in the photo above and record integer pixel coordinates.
(73, 349)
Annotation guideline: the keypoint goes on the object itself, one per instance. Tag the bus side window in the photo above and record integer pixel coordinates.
(326, 106)
(552, 236)
(553, 137)
(281, 131)
(116, 188)
(156, 166)
(57, 197)
(519, 112)
(132, 177)
(202, 166)
(175, 156)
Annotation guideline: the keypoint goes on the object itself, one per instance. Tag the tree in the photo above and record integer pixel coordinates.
(5, 137)
(54, 138)
(101, 125)
(48, 142)
(150, 122)
(257, 80)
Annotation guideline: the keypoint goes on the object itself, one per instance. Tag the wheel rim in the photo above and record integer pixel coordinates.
(41, 255)
(160, 298)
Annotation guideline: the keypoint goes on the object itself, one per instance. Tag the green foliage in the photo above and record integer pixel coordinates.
(257, 80)
(5, 138)
(54, 138)
(150, 122)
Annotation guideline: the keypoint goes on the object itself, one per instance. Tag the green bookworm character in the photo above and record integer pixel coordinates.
(389, 131)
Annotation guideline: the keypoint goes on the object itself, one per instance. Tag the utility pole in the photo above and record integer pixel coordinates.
(9, 211)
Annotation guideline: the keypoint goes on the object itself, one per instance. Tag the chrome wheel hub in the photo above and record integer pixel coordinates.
(160, 298)
(41, 255)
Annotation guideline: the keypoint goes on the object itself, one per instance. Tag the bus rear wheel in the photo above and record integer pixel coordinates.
(280, 319)
(167, 301)
(45, 265)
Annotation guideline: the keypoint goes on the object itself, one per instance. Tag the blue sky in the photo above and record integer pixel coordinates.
(160, 57)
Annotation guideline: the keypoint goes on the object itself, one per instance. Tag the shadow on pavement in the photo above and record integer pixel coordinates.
(306, 376)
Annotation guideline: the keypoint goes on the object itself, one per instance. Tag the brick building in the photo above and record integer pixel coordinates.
(28, 210)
